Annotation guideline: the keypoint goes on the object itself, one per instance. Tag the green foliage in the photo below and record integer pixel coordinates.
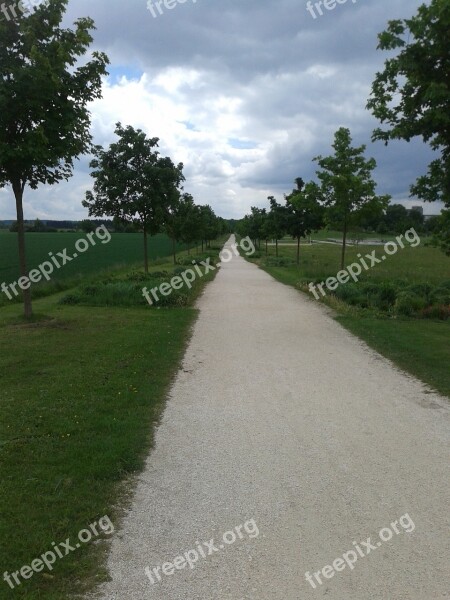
(44, 99)
(412, 95)
(441, 237)
(133, 183)
(346, 184)
(408, 303)
(305, 214)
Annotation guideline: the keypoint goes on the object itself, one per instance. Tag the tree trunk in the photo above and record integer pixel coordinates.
(267, 247)
(145, 251)
(202, 245)
(276, 247)
(18, 193)
(344, 243)
(298, 250)
(174, 250)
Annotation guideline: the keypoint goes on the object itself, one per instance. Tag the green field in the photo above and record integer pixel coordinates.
(123, 249)
(420, 346)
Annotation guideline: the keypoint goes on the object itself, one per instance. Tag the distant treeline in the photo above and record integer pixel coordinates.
(86, 225)
(49, 226)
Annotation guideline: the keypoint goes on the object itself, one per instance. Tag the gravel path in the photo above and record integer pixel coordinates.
(282, 422)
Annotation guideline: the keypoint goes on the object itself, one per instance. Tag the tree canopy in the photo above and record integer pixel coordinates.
(44, 97)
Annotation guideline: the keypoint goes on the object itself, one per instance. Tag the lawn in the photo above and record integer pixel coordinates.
(81, 389)
(419, 346)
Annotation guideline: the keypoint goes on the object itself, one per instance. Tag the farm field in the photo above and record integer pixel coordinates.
(123, 249)
(419, 346)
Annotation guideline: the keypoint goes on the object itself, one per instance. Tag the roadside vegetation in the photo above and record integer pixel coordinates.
(96, 363)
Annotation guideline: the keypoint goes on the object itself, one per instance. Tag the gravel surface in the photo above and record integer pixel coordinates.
(283, 422)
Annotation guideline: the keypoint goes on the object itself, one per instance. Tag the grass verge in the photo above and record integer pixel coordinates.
(81, 389)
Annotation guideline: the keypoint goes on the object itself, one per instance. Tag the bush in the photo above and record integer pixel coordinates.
(440, 295)
(407, 304)
(385, 297)
(437, 311)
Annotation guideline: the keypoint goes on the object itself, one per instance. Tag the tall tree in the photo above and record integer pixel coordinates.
(412, 95)
(346, 183)
(305, 213)
(133, 182)
(276, 221)
(44, 119)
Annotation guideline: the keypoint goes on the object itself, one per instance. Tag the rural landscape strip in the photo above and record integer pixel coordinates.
(111, 388)
(45, 269)
(354, 270)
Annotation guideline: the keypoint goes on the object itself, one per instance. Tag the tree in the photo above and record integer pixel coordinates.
(177, 218)
(305, 213)
(253, 225)
(44, 119)
(441, 237)
(276, 221)
(346, 184)
(412, 95)
(208, 225)
(86, 225)
(133, 183)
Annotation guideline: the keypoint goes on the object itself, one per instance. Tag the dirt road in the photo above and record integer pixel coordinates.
(292, 438)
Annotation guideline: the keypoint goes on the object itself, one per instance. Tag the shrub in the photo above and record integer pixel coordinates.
(423, 290)
(385, 297)
(440, 295)
(407, 304)
(437, 311)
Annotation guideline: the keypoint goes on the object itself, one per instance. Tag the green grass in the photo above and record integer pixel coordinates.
(419, 346)
(123, 249)
(326, 234)
(416, 265)
(81, 389)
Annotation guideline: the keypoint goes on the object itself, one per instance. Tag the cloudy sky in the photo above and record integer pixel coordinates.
(243, 92)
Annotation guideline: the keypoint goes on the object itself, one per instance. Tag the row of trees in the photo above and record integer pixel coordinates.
(45, 92)
(138, 187)
(344, 196)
